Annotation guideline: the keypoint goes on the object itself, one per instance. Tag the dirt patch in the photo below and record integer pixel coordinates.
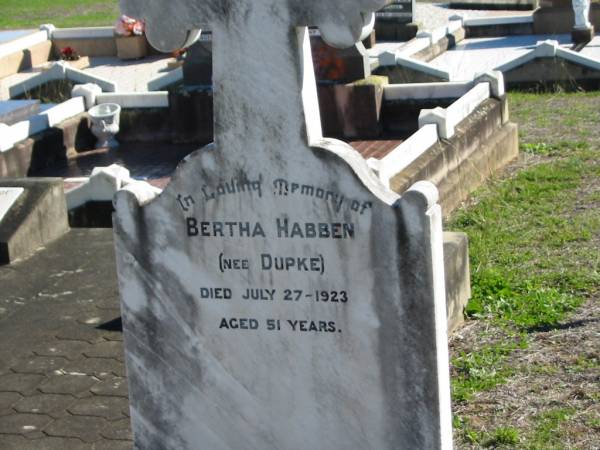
(558, 372)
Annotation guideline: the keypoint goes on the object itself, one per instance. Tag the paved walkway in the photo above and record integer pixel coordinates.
(62, 374)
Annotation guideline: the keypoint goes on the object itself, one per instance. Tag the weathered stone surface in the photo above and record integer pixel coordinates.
(35, 219)
(8, 195)
(276, 295)
(457, 276)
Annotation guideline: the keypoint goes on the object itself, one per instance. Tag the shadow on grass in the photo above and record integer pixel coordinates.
(560, 326)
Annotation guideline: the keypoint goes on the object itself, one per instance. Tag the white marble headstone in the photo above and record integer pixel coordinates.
(8, 196)
(276, 295)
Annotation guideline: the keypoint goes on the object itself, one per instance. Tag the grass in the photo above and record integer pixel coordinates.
(19, 14)
(533, 242)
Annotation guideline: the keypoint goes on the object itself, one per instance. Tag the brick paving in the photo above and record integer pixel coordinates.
(62, 372)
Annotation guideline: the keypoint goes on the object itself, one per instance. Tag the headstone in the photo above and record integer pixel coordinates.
(275, 295)
(398, 11)
(197, 66)
(395, 21)
(8, 195)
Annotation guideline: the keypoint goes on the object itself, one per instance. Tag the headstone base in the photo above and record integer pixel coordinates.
(37, 217)
(582, 35)
(457, 277)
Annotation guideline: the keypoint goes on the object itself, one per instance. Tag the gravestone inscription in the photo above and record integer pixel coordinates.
(275, 295)
(8, 196)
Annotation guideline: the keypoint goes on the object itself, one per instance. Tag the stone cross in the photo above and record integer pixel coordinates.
(251, 39)
(276, 295)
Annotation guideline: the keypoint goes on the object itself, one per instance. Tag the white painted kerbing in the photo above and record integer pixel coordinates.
(402, 156)
(415, 46)
(498, 20)
(60, 71)
(157, 99)
(414, 91)
(22, 43)
(80, 76)
(102, 185)
(577, 58)
(64, 110)
(83, 33)
(163, 80)
(388, 59)
(447, 119)
(551, 49)
(88, 91)
(10, 135)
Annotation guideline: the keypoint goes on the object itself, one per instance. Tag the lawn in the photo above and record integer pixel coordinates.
(525, 367)
(24, 14)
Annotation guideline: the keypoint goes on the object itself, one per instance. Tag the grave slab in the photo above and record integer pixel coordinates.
(13, 111)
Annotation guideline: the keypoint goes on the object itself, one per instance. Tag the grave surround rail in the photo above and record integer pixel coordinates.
(10, 135)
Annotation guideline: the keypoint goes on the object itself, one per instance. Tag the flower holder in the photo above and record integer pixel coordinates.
(131, 47)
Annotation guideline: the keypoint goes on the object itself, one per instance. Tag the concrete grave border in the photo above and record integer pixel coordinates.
(436, 124)
(10, 135)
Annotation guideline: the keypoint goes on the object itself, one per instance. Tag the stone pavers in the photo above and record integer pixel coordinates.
(62, 371)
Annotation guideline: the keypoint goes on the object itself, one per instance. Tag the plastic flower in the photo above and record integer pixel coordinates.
(128, 26)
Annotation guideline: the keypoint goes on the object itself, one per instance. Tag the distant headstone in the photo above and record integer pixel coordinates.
(8, 195)
(395, 21)
(275, 295)
(398, 11)
(197, 66)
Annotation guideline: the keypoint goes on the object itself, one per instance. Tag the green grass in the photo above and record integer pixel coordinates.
(533, 259)
(547, 432)
(481, 370)
(20, 14)
(520, 232)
